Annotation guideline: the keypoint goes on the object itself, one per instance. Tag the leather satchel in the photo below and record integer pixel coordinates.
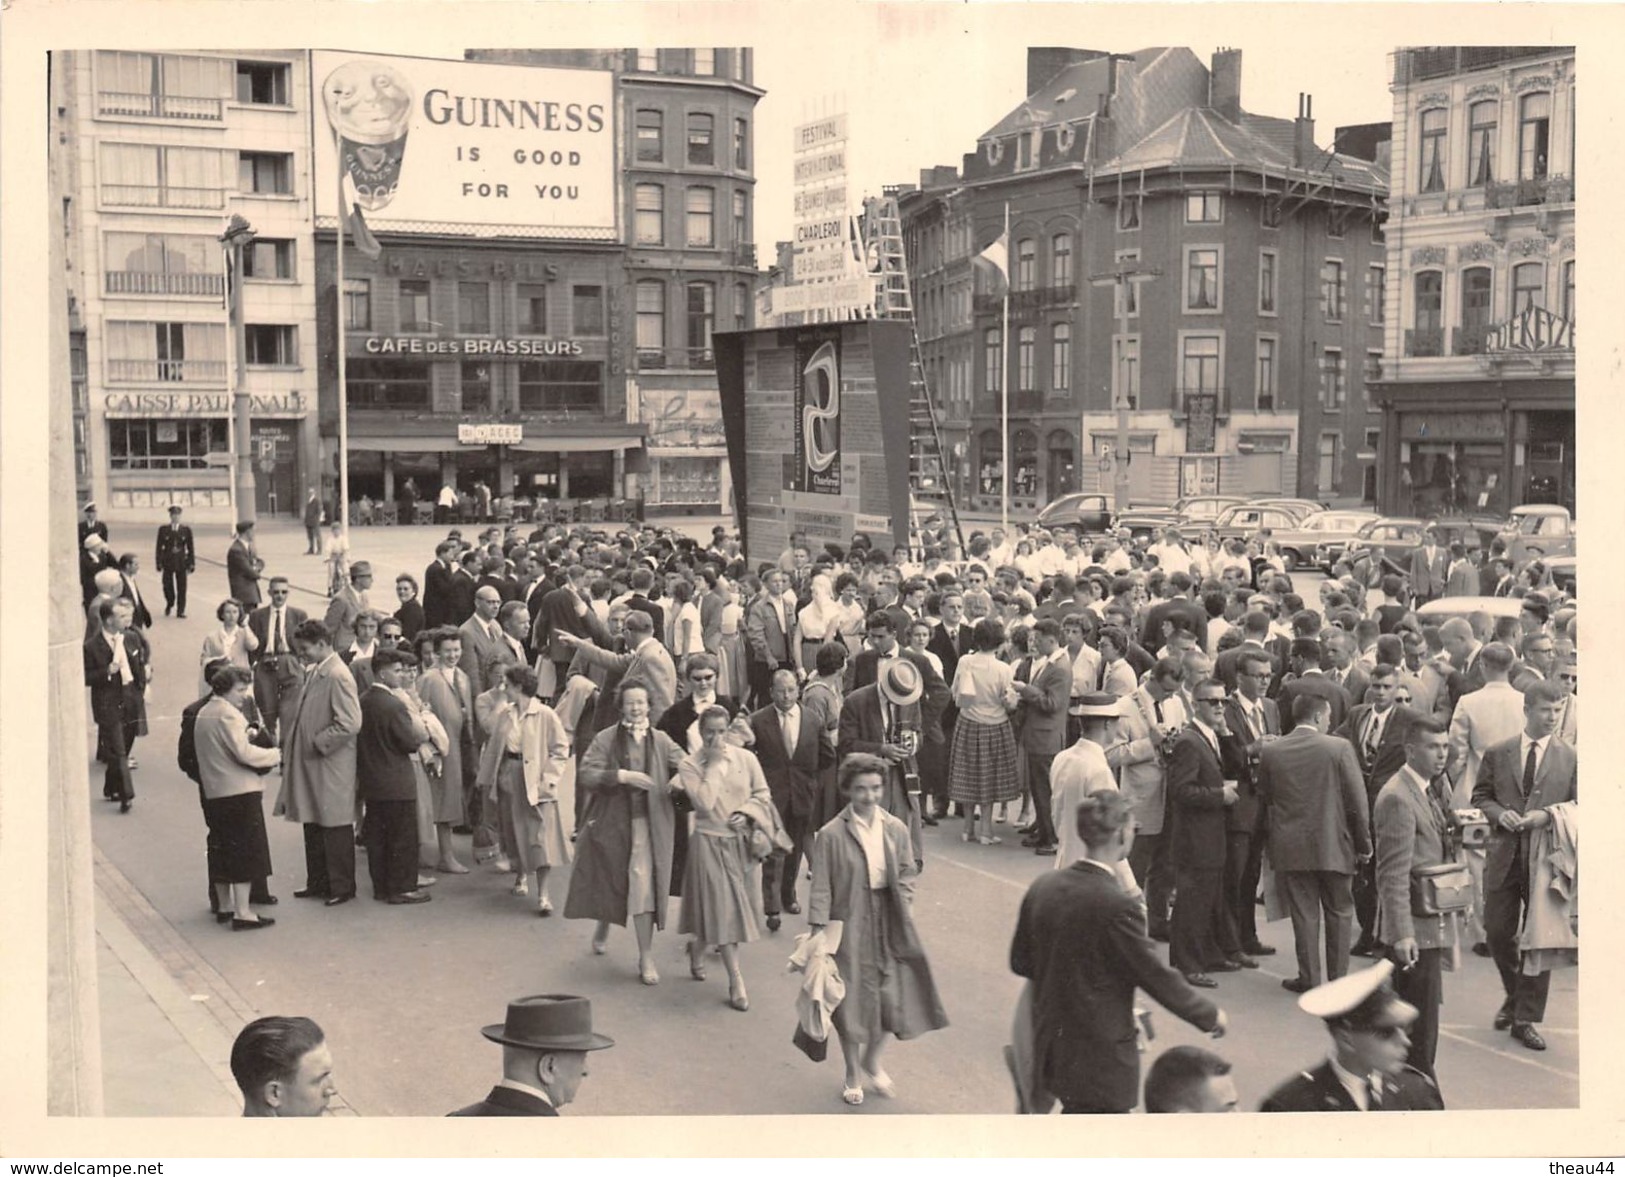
(1442, 889)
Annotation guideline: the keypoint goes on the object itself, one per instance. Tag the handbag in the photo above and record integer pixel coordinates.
(758, 844)
(1442, 889)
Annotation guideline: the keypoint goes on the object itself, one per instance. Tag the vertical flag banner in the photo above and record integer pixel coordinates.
(993, 263)
(369, 105)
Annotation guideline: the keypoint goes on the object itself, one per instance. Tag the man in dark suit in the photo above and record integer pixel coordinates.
(1306, 665)
(1368, 1023)
(463, 586)
(1408, 826)
(1080, 941)
(1177, 603)
(1255, 637)
(788, 745)
(1253, 722)
(176, 559)
(390, 735)
(1319, 830)
(117, 670)
(276, 667)
(544, 1041)
(566, 610)
(1429, 569)
(140, 616)
(1044, 702)
(1377, 731)
(1201, 934)
(90, 525)
(1342, 667)
(643, 582)
(243, 567)
(1518, 783)
(770, 633)
(863, 671)
(888, 719)
(437, 585)
(951, 640)
(313, 522)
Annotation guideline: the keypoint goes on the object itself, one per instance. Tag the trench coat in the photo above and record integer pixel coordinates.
(840, 891)
(318, 749)
(598, 884)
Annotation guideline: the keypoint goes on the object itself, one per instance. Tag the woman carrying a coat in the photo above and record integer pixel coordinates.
(863, 875)
(624, 843)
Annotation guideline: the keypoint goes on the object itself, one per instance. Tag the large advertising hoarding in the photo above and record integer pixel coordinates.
(817, 424)
(428, 145)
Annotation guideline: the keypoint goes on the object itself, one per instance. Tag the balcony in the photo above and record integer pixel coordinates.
(745, 256)
(1025, 303)
(166, 371)
(162, 196)
(1424, 341)
(180, 107)
(1468, 341)
(1442, 61)
(700, 357)
(1221, 412)
(142, 282)
(1523, 193)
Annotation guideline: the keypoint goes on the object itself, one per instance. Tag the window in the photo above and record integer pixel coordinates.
(473, 308)
(162, 86)
(1376, 279)
(1027, 150)
(1264, 384)
(1568, 291)
(265, 173)
(1331, 290)
(705, 62)
(262, 83)
(702, 314)
(1126, 295)
(415, 306)
(1482, 124)
(178, 444)
(377, 383)
(650, 136)
(1266, 282)
(1477, 295)
(1199, 363)
(1060, 357)
(1329, 443)
(742, 304)
(1060, 260)
(1431, 177)
(648, 60)
(1205, 208)
(1026, 349)
(649, 215)
(163, 263)
(1128, 214)
(701, 217)
(1373, 373)
(1126, 370)
(267, 259)
(993, 351)
(1202, 279)
(162, 177)
(1331, 378)
(1534, 126)
(189, 353)
(1528, 287)
(532, 309)
(741, 228)
(587, 309)
(273, 346)
(474, 378)
(701, 149)
(357, 304)
(1026, 275)
(1429, 301)
(651, 313)
(557, 385)
(742, 145)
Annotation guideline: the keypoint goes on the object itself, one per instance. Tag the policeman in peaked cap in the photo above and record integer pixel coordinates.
(1366, 1071)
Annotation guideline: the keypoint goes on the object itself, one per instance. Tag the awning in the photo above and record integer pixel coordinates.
(543, 445)
(406, 445)
(576, 445)
(688, 451)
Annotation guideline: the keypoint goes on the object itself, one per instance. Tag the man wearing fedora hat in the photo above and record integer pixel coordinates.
(884, 719)
(1366, 1071)
(545, 1040)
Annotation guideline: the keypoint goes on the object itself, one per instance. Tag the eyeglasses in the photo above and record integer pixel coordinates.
(1568, 678)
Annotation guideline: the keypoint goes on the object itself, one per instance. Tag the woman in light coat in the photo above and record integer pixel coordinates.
(446, 692)
(624, 842)
(230, 770)
(520, 770)
(863, 875)
(233, 641)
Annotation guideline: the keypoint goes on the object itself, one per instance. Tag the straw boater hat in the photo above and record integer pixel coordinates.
(549, 1021)
(1100, 705)
(900, 683)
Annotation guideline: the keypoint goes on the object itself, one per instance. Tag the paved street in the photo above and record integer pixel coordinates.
(403, 991)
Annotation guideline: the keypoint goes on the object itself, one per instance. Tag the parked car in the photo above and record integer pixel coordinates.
(1309, 506)
(1437, 612)
(1538, 530)
(1401, 536)
(1090, 513)
(1244, 519)
(1565, 572)
(1201, 510)
(1300, 544)
(1148, 522)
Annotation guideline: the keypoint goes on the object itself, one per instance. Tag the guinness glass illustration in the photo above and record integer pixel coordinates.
(369, 105)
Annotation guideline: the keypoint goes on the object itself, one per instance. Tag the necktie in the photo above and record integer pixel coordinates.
(1371, 730)
(1157, 706)
(276, 643)
(1373, 1095)
(787, 724)
(122, 661)
(1529, 768)
(1100, 678)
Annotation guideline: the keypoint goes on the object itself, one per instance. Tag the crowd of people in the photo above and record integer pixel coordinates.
(1174, 726)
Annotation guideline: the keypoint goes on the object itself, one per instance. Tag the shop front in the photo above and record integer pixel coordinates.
(687, 471)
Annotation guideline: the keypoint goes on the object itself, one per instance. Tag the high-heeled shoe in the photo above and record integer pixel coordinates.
(648, 974)
(883, 1084)
(737, 997)
(599, 947)
(544, 907)
(696, 966)
(852, 1095)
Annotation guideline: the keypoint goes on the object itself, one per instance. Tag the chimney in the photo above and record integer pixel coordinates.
(1224, 84)
(1303, 132)
(1043, 63)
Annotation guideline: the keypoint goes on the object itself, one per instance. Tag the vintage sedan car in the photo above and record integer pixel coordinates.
(1300, 545)
(1539, 530)
(1402, 535)
(1244, 519)
(1201, 510)
(1308, 506)
(1089, 513)
(1437, 612)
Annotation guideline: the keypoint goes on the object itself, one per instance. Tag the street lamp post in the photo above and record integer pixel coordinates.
(239, 234)
(1122, 280)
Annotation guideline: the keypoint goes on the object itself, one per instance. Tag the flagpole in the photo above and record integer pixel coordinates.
(1004, 377)
(344, 389)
